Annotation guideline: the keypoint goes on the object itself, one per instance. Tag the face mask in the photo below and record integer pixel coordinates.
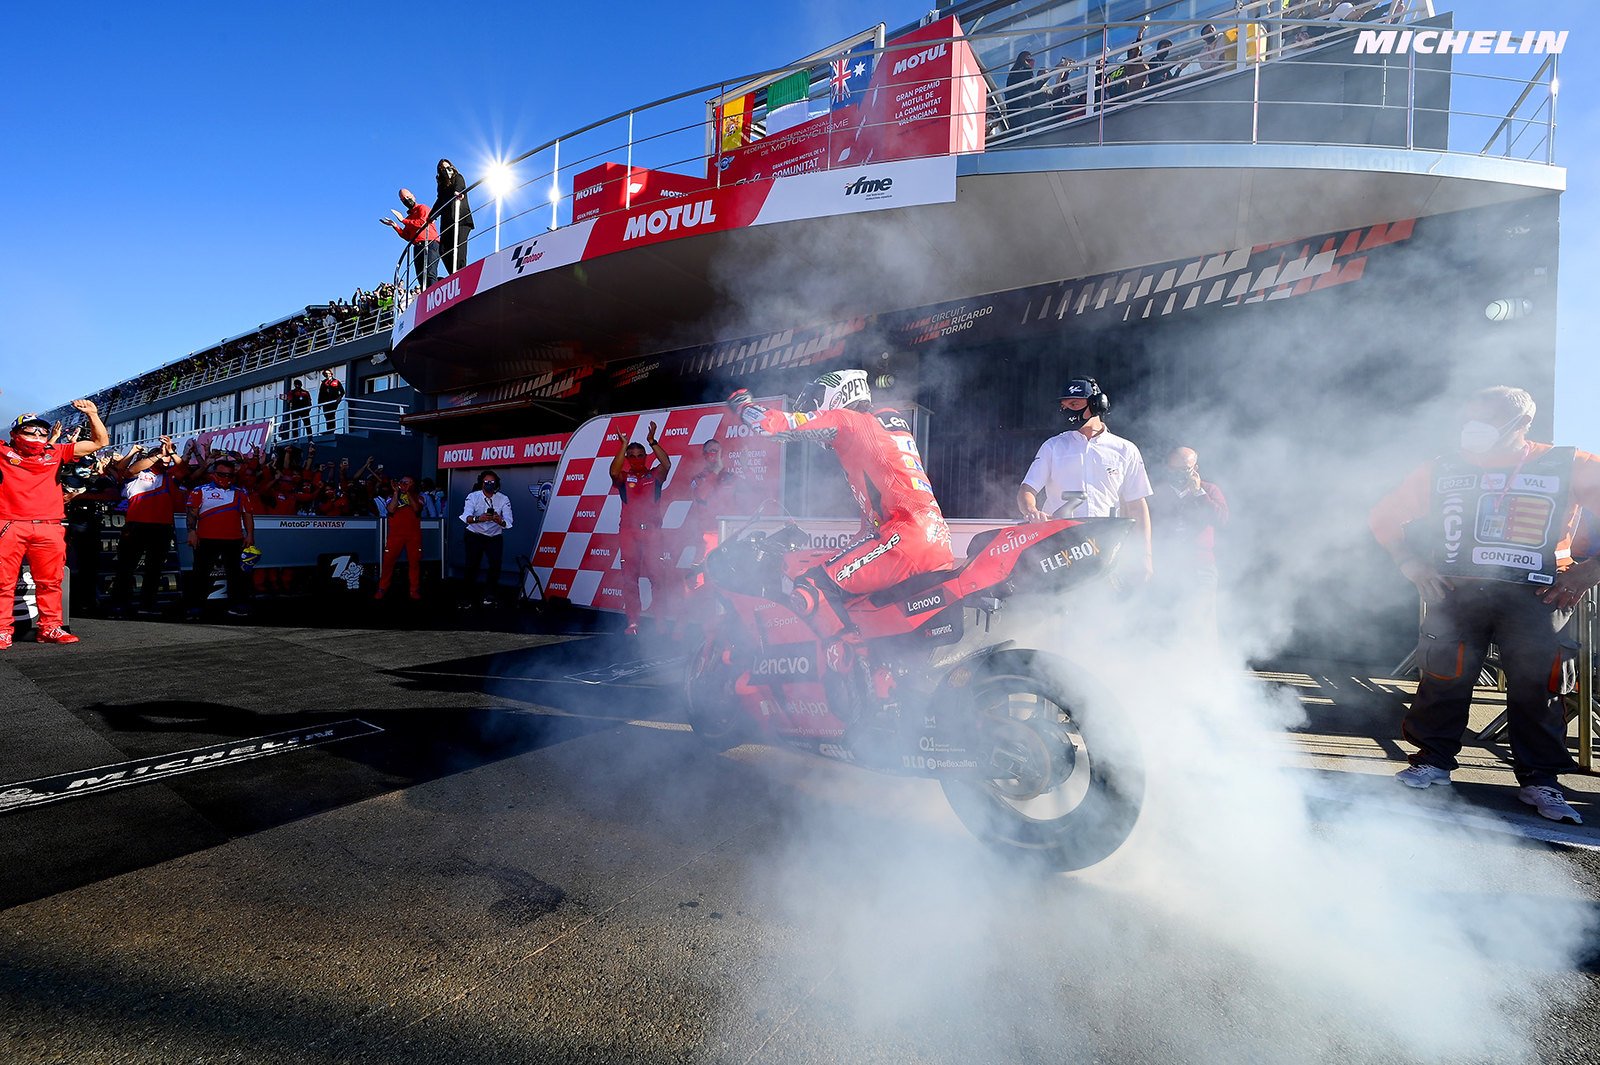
(1179, 478)
(491, 487)
(1075, 418)
(1479, 438)
(637, 463)
(29, 445)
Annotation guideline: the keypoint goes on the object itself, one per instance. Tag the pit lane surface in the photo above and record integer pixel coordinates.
(534, 860)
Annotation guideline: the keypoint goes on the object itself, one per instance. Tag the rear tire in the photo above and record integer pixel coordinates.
(1078, 780)
(711, 707)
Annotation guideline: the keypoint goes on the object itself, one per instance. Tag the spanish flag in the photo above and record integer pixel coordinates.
(733, 122)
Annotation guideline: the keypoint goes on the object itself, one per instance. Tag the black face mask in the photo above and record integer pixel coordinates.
(1075, 418)
(491, 487)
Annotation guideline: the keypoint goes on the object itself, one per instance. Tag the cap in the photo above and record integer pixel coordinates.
(30, 419)
(1078, 388)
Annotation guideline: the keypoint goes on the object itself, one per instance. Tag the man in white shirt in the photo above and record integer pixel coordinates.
(1090, 472)
(487, 516)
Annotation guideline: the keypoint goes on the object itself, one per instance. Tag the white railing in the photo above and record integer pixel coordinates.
(283, 426)
(1238, 87)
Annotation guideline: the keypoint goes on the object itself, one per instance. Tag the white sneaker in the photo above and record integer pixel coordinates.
(1421, 776)
(1549, 802)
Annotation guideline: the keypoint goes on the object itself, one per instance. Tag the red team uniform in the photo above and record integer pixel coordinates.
(31, 513)
(639, 532)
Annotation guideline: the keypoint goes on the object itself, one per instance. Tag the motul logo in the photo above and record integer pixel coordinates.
(444, 294)
(911, 62)
(864, 185)
(684, 215)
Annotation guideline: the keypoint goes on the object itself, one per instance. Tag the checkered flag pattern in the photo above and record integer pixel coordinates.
(578, 555)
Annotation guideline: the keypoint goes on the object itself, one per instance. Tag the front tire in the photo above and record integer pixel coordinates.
(711, 706)
(1068, 780)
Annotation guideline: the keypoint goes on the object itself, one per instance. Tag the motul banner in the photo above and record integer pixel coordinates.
(239, 439)
(601, 189)
(921, 101)
(521, 451)
(579, 552)
(850, 190)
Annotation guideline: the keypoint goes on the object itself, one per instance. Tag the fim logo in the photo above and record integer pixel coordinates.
(347, 569)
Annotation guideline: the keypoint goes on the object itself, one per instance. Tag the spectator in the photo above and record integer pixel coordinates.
(432, 499)
(1062, 98)
(1022, 90)
(717, 489)
(1162, 67)
(404, 508)
(454, 215)
(1089, 471)
(297, 401)
(638, 478)
(1501, 573)
(487, 515)
(220, 528)
(1209, 58)
(86, 491)
(1185, 514)
(151, 490)
(417, 231)
(31, 512)
(329, 392)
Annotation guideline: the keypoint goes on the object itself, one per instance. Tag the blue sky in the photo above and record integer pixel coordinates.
(180, 173)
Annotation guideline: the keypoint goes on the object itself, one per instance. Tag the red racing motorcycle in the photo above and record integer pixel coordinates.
(1036, 760)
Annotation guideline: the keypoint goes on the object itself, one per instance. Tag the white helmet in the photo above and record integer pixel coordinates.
(841, 388)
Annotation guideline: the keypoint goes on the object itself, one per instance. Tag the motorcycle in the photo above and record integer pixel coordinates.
(1034, 758)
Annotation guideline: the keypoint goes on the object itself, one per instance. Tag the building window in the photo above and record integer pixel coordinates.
(122, 433)
(181, 420)
(381, 383)
(259, 403)
(216, 411)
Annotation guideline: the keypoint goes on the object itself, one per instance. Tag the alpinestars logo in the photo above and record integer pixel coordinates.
(871, 556)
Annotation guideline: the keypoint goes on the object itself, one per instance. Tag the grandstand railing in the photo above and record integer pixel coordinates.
(350, 416)
(1511, 114)
(318, 339)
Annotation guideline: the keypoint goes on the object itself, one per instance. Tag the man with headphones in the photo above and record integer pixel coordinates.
(1089, 472)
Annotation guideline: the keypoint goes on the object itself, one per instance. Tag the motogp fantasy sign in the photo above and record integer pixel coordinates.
(578, 557)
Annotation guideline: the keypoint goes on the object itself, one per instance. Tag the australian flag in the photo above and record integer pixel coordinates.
(849, 74)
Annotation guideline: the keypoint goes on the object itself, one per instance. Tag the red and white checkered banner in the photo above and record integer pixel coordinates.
(578, 555)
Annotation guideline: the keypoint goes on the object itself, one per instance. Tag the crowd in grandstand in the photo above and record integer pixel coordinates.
(1037, 91)
(315, 326)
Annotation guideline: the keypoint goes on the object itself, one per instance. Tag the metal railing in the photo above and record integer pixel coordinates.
(1256, 80)
(318, 339)
(348, 416)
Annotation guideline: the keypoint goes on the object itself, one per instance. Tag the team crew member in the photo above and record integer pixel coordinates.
(1089, 471)
(404, 509)
(639, 478)
(31, 513)
(903, 531)
(487, 515)
(147, 529)
(329, 392)
(1490, 552)
(220, 528)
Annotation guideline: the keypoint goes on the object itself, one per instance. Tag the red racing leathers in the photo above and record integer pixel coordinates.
(903, 532)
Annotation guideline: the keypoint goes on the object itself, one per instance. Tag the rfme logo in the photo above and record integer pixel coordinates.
(1460, 42)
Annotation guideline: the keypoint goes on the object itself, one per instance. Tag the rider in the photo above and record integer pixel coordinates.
(902, 533)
